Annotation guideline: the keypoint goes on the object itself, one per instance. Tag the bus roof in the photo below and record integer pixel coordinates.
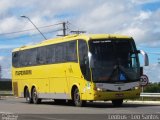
(72, 37)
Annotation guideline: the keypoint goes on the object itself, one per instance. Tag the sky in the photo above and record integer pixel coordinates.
(136, 18)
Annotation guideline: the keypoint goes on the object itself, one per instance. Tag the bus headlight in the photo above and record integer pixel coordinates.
(136, 88)
(100, 89)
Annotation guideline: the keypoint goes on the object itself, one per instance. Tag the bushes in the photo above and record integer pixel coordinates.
(152, 88)
(5, 85)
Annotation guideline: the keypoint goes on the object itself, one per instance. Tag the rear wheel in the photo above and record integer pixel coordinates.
(27, 96)
(77, 100)
(117, 103)
(36, 100)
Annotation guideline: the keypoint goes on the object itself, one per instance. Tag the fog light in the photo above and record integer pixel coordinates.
(99, 89)
(136, 88)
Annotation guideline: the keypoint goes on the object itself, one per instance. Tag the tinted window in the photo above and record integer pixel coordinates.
(33, 57)
(60, 53)
(83, 59)
(114, 60)
(15, 59)
(56, 53)
(72, 51)
(50, 54)
(41, 55)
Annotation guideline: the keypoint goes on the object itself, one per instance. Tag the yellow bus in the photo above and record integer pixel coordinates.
(78, 68)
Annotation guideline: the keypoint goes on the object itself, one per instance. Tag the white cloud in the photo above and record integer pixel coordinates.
(1, 58)
(10, 25)
(6, 73)
(153, 72)
(4, 5)
(144, 1)
(143, 15)
(108, 17)
(104, 16)
(7, 46)
(5, 63)
(94, 16)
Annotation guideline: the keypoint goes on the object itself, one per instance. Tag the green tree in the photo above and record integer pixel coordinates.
(152, 88)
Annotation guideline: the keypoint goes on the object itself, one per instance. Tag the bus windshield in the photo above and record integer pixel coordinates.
(114, 60)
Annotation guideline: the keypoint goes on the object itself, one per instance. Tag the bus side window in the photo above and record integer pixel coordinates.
(72, 51)
(83, 59)
(26, 57)
(41, 55)
(33, 57)
(50, 54)
(58, 53)
(15, 59)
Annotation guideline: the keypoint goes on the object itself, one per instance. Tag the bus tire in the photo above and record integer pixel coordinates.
(27, 96)
(117, 103)
(35, 98)
(77, 100)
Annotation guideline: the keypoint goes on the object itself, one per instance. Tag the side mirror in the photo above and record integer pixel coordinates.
(146, 60)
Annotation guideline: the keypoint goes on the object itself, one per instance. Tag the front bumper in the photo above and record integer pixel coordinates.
(97, 95)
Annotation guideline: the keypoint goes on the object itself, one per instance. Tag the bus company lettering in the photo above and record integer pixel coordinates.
(23, 72)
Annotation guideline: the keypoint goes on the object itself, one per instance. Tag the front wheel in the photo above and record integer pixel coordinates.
(36, 100)
(77, 100)
(117, 103)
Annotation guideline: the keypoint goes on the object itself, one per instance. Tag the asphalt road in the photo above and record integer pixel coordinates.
(51, 111)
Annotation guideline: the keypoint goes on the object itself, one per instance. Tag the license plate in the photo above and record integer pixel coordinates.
(119, 95)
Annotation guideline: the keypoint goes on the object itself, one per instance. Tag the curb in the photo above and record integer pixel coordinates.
(142, 102)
